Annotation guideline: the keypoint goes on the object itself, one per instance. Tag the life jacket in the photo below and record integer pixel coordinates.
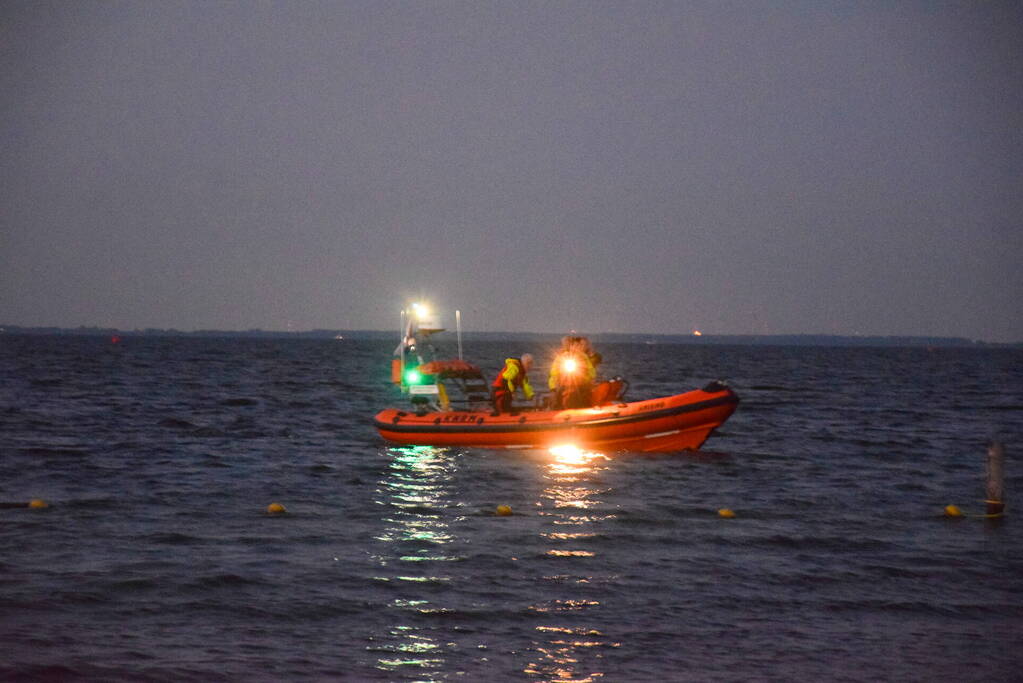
(502, 384)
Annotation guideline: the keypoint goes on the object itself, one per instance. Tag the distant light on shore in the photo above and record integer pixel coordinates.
(697, 333)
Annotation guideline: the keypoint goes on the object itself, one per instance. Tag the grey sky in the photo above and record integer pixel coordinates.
(736, 167)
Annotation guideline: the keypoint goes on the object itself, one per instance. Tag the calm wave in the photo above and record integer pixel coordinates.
(157, 561)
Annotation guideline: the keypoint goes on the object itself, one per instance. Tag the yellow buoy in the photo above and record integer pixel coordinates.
(725, 512)
(275, 509)
(38, 503)
(503, 510)
(953, 511)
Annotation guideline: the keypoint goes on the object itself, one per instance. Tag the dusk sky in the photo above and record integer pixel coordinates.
(654, 167)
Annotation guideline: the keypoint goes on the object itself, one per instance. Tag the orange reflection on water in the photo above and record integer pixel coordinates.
(560, 656)
(569, 459)
(570, 553)
(571, 497)
(578, 519)
(570, 467)
(561, 536)
(567, 651)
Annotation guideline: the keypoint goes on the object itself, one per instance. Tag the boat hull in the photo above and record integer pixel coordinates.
(672, 423)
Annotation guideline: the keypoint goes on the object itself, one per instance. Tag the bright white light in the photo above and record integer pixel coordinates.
(570, 459)
(567, 451)
(421, 310)
(569, 365)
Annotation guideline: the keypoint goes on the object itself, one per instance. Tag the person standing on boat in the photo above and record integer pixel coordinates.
(595, 358)
(514, 375)
(572, 374)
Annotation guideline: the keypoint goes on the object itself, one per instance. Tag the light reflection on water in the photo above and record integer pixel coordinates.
(417, 547)
(416, 542)
(566, 649)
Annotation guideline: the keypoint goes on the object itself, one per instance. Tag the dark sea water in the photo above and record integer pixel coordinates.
(156, 560)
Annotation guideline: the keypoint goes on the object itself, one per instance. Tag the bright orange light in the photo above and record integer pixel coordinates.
(697, 333)
(568, 453)
(569, 458)
(569, 365)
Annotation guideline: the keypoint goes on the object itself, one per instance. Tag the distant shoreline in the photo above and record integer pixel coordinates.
(607, 338)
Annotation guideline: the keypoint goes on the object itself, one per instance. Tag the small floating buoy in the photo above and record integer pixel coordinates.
(503, 510)
(38, 504)
(726, 513)
(275, 509)
(953, 511)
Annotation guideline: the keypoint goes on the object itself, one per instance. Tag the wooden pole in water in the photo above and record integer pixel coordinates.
(995, 474)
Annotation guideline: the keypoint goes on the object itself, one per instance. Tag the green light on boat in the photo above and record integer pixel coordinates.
(413, 377)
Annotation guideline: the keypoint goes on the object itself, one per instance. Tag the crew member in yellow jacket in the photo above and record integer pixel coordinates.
(572, 375)
(514, 375)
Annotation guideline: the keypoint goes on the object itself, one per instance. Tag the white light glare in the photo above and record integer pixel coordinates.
(421, 310)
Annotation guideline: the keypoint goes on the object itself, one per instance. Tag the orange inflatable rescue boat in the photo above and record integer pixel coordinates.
(673, 423)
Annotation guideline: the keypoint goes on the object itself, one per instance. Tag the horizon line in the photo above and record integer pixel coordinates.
(324, 332)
